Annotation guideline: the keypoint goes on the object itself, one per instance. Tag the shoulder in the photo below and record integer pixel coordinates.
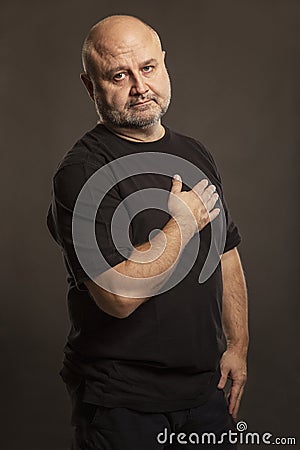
(196, 144)
(86, 156)
(90, 149)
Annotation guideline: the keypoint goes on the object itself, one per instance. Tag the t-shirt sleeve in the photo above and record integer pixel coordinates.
(82, 194)
(233, 237)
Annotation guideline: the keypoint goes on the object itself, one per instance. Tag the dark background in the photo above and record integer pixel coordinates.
(234, 67)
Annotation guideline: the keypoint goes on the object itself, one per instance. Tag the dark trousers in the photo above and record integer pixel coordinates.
(101, 428)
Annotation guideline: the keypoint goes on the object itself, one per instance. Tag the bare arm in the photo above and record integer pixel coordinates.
(235, 323)
(134, 281)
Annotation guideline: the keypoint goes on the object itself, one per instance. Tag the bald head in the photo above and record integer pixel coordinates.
(113, 34)
(125, 73)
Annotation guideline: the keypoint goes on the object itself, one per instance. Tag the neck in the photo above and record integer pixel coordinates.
(150, 134)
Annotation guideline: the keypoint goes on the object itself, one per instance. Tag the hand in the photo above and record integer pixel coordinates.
(234, 366)
(195, 206)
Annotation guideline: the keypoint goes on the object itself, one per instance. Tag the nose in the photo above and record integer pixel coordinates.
(138, 85)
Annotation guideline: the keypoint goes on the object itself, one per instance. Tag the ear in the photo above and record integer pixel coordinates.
(88, 85)
(164, 54)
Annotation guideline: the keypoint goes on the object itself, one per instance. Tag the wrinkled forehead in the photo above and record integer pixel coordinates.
(110, 53)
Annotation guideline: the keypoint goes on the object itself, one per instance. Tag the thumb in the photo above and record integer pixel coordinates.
(223, 379)
(176, 184)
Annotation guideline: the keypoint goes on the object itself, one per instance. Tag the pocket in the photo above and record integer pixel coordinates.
(72, 380)
(218, 400)
(87, 412)
(99, 413)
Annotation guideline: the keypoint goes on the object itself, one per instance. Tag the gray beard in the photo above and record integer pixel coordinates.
(128, 119)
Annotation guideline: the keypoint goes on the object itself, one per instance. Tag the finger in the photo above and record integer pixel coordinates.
(212, 201)
(223, 379)
(176, 184)
(227, 394)
(214, 213)
(200, 187)
(237, 404)
(207, 193)
(234, 394)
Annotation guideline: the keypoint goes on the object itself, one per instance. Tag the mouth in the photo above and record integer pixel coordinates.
(138, 104)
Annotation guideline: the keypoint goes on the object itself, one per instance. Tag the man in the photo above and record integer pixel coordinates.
(146, 357)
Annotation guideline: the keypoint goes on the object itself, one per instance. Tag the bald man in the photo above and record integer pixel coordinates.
(150, 347)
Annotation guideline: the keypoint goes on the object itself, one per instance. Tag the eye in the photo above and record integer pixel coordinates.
(119, 76)
(148, 69)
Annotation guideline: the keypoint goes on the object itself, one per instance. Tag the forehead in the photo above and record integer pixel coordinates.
(111, 52)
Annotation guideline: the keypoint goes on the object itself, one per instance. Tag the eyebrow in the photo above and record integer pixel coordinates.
(120, 68)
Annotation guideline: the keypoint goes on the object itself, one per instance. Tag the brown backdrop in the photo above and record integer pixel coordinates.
(235, 76)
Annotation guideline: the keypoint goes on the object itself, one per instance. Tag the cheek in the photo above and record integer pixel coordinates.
(162, 87)
(119, 98)
(167, 81)
(162, 84)
(115, 97)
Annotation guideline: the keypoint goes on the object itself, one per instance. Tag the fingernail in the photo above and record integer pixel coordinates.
(177, 177)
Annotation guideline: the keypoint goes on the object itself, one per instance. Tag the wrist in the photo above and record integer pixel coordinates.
(239, 346)
(185, 227)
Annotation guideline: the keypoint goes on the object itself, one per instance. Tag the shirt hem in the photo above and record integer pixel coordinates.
(159, 406)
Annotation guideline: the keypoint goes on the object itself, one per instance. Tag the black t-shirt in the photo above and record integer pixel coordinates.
(165, 355)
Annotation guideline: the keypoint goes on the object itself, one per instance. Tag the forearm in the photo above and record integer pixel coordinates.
(156, 258)
(233, 363)
(121, 289)
(150, 265)
(235, 304)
